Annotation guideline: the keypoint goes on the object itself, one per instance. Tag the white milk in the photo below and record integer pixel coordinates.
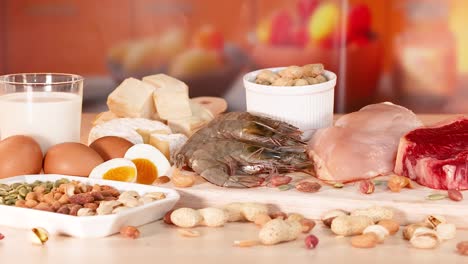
(49, 117)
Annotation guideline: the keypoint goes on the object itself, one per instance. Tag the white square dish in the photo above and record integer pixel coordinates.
(87, 226)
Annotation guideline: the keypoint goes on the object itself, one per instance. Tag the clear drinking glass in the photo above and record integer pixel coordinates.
(45, 106)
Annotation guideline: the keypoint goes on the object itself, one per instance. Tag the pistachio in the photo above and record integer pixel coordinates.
(424, 238)
(435, 220)
(39, 236)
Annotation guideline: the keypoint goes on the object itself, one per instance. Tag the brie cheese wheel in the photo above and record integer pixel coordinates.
(126, 128)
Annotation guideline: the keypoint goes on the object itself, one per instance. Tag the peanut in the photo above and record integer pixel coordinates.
(380, 231)
(278, 180)
(391, 225)
(261, 219)
(320, 78)
(292, 72)
(167, 217)
(307, 225)
(43, 206)
(377, 213)
(246, 243)
(130, 232)
(424, 238)
(307, 186)
(368, 240)
(396, 183)
(455, 195)
(311, 241)
(301, 82)
(295, 217)
(182, 179)
(312, 70)
(162, 180)
(462, 248)
(186, 217)
(31, 203)
(267, 76)
(311, 80)
(280, 215)
(283, 81)
(188, 233)
(350, 225)
(366, 187)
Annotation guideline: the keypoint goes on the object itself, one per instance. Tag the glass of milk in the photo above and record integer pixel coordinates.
(45, 106)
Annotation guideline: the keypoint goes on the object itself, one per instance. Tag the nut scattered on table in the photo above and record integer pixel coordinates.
(130, 232)
(462, 248)
(39, 236)
(311, 241)
(455, 195)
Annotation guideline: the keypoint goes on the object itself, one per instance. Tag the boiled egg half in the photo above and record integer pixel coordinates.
(149, 161)
(118, 169)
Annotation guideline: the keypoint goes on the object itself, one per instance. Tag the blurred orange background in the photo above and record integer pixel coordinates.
(76, 35)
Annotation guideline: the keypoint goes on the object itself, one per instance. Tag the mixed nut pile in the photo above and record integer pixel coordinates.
(73, 197)
(293, 76)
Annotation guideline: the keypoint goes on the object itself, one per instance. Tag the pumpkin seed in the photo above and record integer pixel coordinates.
(15, 185)
(379, 182)
(436, 196)
(10, 202)
(285, 187)
(3, 192)
(23, 191)
(1, 200)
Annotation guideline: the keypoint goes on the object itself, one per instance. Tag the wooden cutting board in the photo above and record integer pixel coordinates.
(410, 205)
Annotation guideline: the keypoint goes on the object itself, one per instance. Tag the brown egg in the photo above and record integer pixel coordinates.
(71, 159)
(19, 155)
(111, 147)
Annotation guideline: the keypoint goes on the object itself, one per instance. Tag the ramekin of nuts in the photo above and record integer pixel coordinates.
(300, 95)
(80, 207)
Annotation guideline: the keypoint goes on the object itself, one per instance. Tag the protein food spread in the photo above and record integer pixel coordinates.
(155, 134)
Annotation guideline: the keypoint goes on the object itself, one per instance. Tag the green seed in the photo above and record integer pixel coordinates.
(15, 185)
(285, 187)
(23, 191)
(379, 182)
(436, 196)
(10, 202)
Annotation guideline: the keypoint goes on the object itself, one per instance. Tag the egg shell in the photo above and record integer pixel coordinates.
(111, 147)
(99, 171)
(71, 158)
(19, 155)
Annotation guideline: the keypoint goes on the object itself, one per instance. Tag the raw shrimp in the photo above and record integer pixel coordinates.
(235, 148)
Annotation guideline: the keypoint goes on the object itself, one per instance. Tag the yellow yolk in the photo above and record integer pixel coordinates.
(124, 173)
(147, 172)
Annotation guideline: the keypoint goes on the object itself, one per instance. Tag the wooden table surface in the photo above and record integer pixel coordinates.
(160, 243)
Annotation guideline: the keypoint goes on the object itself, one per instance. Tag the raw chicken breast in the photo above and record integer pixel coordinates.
(362, 144)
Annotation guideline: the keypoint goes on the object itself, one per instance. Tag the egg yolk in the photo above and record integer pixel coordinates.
(147, 172)
(124, 173)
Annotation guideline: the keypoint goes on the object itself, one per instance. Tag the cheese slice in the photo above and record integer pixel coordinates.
(126, 128)
(132, 98)
(145, 133)
(168, 144)
(170, 96)
(190, 125)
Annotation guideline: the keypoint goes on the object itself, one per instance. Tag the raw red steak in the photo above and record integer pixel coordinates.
(436, 157)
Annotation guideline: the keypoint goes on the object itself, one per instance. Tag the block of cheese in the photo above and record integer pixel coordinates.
(104, 117)
(145, 133)
(168, 144)
(190, 125)
(126, 128)
(170, 96)
(132, 98)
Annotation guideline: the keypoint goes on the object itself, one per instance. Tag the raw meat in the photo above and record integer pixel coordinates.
(362, 144)
(437, 156)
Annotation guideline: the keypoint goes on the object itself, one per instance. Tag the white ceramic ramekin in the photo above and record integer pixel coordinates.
(308, 107)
